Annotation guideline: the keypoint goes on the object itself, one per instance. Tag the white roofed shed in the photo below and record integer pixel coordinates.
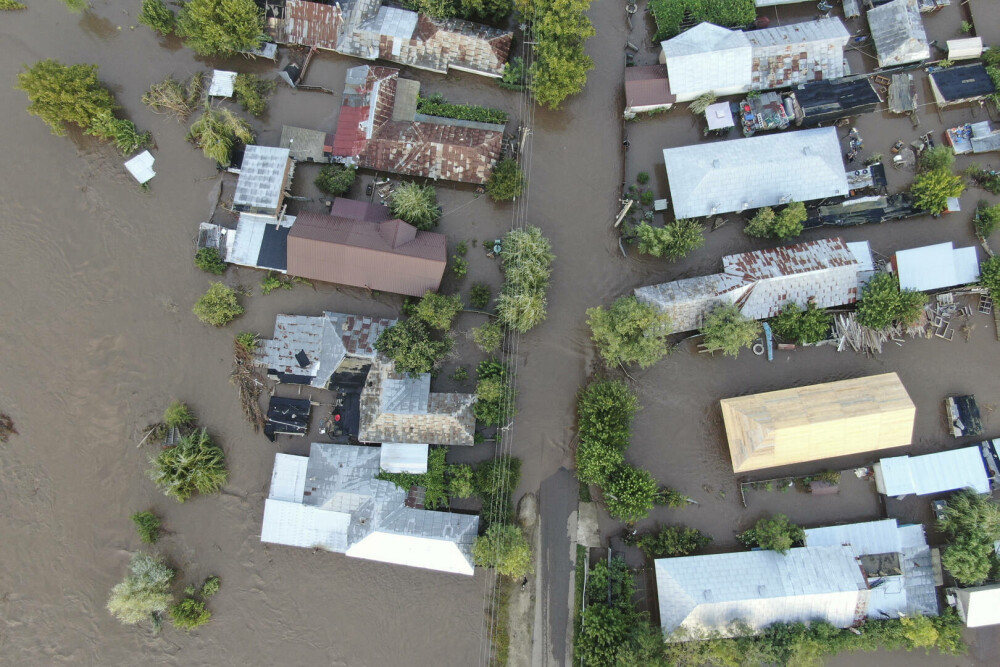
(932, 473)
(222, 83)
(979, 606)
(936, 266)
(141, 167)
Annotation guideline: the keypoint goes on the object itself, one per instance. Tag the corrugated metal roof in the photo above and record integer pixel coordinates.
(979, 606)
(222, 83)
(297, 525)
(898, 32)
(403, 457)
(288, 477)
(708, 58)
(304, 144)
(937, 266)
(263, 175)
(796, 53)
(719, 116)
(767, 170)
(934, 473)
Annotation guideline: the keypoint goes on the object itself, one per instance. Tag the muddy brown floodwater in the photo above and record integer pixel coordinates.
(96, 336)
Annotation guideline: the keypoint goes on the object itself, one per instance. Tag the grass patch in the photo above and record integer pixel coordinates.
(499, 624)
(580, 577)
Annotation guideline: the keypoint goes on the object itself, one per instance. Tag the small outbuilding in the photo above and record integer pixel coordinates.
(898, 32)
(265, 174)
(820, 102)
(978, 606)
(961, 85)
(287, 416)
(141, 167)
(964, 49)
(404, 457)
(306, 145)
(934, 267)
(647, 89)
(719, 116)
(222, 83)
(932, 473)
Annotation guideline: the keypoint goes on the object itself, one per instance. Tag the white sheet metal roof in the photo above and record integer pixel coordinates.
(866, 538)
(964, 49)
(222, 83)
(699, 594)
(248, 237)
(935, 473)
(708, 58)
(262, 176)
(141, 167)
(298, 525)
(979, 606)
(719, 116)
(767, 170)
(937, 266)
(863, 253)
(423, 552)
(288, 479)
(404, 457)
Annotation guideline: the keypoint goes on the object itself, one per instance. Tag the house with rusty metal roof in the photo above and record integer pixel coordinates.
(400, 408)
(367, 29)
(647, 89)
(311, 350)
(379, 128)
(826, 272)
(332, 500)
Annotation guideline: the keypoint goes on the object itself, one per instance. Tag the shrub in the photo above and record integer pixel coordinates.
(784, 225)
(480, 295)
(605, 409)
(123, 133)
(416, 204)
(210, 261)
(672, 541)
(221, 27)
(498, 476)
(642, 178)
(336, 179)
(438, 310)
(434, 480)
(147, 525)
(461, 373)
(172, 96)
(61, 94)
(987, 180)
(729, 330)
(252, 92)
(273, 281)
(968, 560)
(526, 261)
(11, 5)
(216, 131)
(647, 198)
(155, 15)
(494, 397)
(247, 340)
(144, 592)
(560, 31)
(410, 346)
(932, 189)
(461, 482)
(178, 415)
(630, 493)
(670, 13)
(987, 219)
(774, 533)
(437, 105)
(802, 326)
(194, 465)
(505, 548)
(989, 275)
(513, 75)
(939, 157)
(882, 303)
(672, 241)
(218, 306)
(488, 337)
(459, 266)
(506, 181)
(211, 586)
(630, 332)
(189, 614)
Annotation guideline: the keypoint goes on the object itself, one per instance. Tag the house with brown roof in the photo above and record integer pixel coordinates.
(367, 29)
(647, 89)
(378, 128)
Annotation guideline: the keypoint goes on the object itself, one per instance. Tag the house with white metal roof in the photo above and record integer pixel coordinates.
(766, 170)
(898, 32)
(331, 500)
(932, 473)
(826, 272)
(264, 175)
(934, 267)
(978, 606)
(731, 593)
(707, 58)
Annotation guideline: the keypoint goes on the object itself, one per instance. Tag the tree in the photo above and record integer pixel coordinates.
(672, 241)
(522, 310)
(485, 10)
(438, 310)
(155, 15)
(461, 481)
(488, 337)
(882, 303)
(630, 332)
(987, 219)
(989, 275)
(498, 476)
(145, 591)
(438, 9)
(494, 397)
(336, 179)
(526, 260)
(216, 131)
(932, 189)
(61, 94)
(506, 182)
(672, 541)
(218, 306)
(919, 630)
(505, 548)
(729, 330)
(630, 493)
(605, 409)
(193, 465)
(969, 513)
(189, 614)
(211, 586)
(210, 261)
(416, 204)
(147, 525)
(775, 533)
(221, 27)
(939, 157)
(968, 560)
(560, 29)
(252, 92)
(802, 326)
(410, 346)
(784, 225)
(480, 295)
(123, 133)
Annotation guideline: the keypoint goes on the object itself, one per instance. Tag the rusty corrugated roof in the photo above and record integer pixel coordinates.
(312, 24)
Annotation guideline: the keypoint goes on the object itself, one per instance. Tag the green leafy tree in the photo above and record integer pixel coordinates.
(672, 541)
(252, 92)
(461, 481)
(920, 631)
(987, 219)
(939, 157)
(498, 475)
(630, 332)
(882, 303)
(194, 465)
(505, 548)
(409, 345)
(11, 5)
(123, 133)
(729, 330)
(189, 614)
(526, 260)
(488, 337)
(968, 560)
(175, 97)
(155, 15)
(609, 625)
(560, 29)
(145, 591)
(416, 204)
(438, 310)
(218, 306)
(216, 131)
(147, 525)
(178, 415)
(932, 189)
(485, 10)
(61, 94)
(787, 224)
(989, 275)
(506, 182)
(776, 533)
(336, 179)
(605, 409)
(494, 397)
(630, 493)
(210, 261)
(672, 241)
(438, 9)
(802, 326)
(970, 513)
(221, 27)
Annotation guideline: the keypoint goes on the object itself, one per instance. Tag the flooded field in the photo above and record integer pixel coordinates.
(96, 337)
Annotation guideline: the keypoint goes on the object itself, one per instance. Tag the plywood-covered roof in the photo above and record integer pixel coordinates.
(818, 422)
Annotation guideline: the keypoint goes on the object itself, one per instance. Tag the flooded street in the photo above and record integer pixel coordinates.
(97, 336)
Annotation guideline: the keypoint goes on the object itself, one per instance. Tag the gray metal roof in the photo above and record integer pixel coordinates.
(222, 83)
(304, 144)
(898, 32)
(934, 473)
(984, 137)
(701, 594)
(768, 170)
(262, 177)
(708, 58)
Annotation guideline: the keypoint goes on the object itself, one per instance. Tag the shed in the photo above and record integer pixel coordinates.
(984, 138)
(902, 94)
(719, 116)
(222, 83)
(960, 85)
(287, 416)
(852, 8)
(821, 102)
(306, 145)
(646, 89)
(978, 606)
(898, 32)
(932, 473)
(404, 457)
(936, 266)
(964, 49)
(818, 422)
(141, 167)
(707, 58)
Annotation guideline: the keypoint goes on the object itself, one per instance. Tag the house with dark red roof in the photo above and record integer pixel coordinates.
(647, 89)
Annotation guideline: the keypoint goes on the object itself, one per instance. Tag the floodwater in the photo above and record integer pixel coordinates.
(96, 337)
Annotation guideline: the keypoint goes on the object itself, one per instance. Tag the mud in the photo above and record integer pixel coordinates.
(96, 336)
